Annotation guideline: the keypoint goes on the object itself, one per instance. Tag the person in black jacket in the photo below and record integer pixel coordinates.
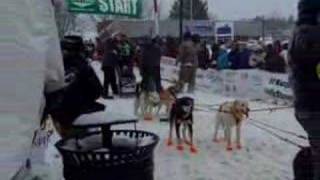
(234, 56)
(109, 65)
(150, 65)
(304, 61)
(273, 61)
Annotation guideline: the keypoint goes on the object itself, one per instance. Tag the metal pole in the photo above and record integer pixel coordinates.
(191, 10)
(181, 20)
(263, 29)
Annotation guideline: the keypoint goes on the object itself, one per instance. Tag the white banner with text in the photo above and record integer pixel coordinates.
(251, 84)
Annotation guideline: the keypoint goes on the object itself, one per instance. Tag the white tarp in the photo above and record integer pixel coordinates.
(30, 63)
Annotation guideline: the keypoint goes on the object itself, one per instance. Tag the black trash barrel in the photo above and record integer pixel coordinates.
(129, 158)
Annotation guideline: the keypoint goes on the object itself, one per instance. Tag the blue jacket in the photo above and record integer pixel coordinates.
(244, 57)
(233, 57)
(240, 60)
(223, 60)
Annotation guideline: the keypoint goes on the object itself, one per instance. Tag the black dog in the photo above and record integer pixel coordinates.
(182, 115)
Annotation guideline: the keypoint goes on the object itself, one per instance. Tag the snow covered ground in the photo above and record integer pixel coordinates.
(263, 156)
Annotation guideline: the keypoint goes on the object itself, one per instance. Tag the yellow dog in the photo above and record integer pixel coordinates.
(230, 115)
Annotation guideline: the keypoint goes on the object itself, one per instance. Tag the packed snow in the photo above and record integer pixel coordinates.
(263, 156)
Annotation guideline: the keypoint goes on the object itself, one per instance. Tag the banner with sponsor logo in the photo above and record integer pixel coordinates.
(224, 31)
(277, 86)
(130, 8)
(251, 84)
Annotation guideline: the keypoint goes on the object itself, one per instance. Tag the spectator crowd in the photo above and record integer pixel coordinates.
(235, 55)
(119, 54)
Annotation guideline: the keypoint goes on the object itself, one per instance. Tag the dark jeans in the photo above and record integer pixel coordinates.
(151, 74)
(110, 79)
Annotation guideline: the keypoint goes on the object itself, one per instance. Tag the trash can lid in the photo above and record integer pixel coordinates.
(104, 118)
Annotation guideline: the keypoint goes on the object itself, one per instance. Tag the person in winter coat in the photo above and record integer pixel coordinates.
(304, 61)
(150, 66)
(188, 59)
(277, 47)
(109, 65)
(172, 47)
(222, 60)
(234, 56)
(203, 56)
(274, 62)
(244, 56)
(126, 52)
(215, 52)
(257, 58)
(284, 54)
(98, 54)
(30, 66)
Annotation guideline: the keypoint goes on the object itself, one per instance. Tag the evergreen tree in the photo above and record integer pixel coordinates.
(199, 9)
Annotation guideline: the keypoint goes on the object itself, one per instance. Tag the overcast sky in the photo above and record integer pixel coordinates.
(238, 9)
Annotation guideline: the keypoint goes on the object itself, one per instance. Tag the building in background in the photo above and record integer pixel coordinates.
(239, 30)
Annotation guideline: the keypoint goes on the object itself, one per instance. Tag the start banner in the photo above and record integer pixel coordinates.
(130, 8)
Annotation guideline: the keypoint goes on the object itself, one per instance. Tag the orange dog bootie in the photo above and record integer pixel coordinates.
(193, 149)
(239, 146)
(180, 147)
(229, 148)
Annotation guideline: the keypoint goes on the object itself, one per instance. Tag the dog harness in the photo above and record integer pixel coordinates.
(233, 112)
